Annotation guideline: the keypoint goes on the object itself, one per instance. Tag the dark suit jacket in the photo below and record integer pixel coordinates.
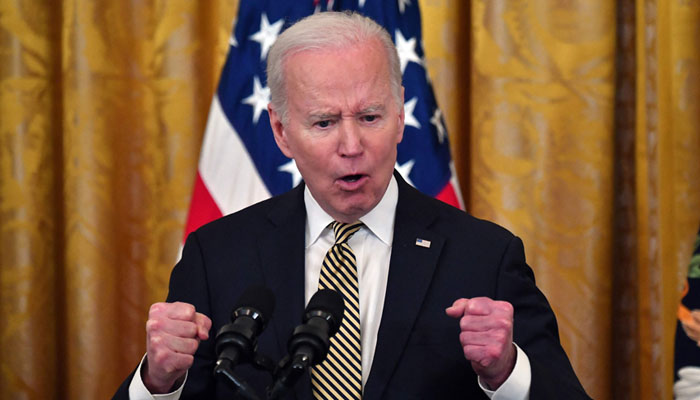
(418, 354)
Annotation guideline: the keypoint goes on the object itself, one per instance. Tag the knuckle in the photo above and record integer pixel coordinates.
(464, 338)
(493, 353)
(472, 353)
(483, 301)
(160, 357)
(206, 322)
(153, 325)
(192, 346)
(155, 309)
(486, 362)
(507, 307)
(169, 367)
(155, 342)
(500, 336)
(187, 361)
(503, 323)
(187, 310)
(467, 350)
(191, 330)
(182, 362)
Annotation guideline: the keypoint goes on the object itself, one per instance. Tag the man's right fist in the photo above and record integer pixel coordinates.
(173, 332)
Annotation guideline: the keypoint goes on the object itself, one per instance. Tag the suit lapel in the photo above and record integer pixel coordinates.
(410, 273)
(282, 256)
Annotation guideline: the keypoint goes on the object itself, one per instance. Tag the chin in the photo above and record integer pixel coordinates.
(356, 211)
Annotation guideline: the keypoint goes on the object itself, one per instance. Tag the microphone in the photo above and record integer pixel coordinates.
(236, 342)
(310, 341)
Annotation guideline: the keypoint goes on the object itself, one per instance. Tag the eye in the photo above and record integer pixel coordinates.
(370, 118)
(323, 124)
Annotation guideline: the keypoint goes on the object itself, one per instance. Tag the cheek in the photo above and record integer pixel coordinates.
(311, 157)
(388, 151)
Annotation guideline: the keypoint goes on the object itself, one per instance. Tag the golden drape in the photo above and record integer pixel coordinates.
(574, 123)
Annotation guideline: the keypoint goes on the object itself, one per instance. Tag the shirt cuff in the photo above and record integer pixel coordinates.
(517, 386)
(138, 390)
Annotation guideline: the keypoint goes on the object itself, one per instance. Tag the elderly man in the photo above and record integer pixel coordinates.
(438, 304)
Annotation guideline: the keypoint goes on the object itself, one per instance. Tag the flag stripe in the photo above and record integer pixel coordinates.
(206, 209)
(225, 166)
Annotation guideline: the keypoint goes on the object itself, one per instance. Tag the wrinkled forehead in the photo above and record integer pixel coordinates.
(358, 72)
(331, 89)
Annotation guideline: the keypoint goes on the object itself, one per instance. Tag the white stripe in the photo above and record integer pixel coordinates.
(226, 167)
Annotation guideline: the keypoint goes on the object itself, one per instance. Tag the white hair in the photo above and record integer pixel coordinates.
(327, 30)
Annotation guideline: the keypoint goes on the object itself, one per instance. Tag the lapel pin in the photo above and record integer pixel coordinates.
(423, 243)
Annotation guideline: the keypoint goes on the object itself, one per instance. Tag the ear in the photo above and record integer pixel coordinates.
(278, 131)
(399, 136)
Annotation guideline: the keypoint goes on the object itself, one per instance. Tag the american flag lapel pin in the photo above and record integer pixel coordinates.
(423, 243)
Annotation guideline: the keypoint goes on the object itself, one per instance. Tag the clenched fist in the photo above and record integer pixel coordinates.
(487, 337)
(173, 332)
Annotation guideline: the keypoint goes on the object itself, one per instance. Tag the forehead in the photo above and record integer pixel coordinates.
(349, 76)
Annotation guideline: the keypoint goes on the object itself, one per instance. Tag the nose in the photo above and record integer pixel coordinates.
(350, 139)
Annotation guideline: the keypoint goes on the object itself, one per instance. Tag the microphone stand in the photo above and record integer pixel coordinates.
(224, 368)
(287, 374)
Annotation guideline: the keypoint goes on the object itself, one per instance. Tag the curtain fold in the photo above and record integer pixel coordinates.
(667, 192)
(30, 228)
(103, 108)
(542, 154)
(573, 123)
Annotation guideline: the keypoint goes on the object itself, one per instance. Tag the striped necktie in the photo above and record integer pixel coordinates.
(340, 375)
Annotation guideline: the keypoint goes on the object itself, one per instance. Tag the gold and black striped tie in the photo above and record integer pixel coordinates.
(340, 375)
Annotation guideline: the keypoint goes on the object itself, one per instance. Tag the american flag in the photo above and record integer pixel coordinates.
(240, 163)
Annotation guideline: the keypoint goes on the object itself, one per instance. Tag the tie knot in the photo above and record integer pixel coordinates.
(344, 231)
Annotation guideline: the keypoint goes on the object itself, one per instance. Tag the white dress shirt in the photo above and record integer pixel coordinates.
(372, 248)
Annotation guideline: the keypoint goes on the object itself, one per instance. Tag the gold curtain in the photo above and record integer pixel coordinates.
(573, 123)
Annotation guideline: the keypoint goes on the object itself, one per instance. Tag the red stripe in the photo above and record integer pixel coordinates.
(449, 196)
(203, 208)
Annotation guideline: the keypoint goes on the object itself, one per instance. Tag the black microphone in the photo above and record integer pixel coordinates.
(236, 342)
(310, 341)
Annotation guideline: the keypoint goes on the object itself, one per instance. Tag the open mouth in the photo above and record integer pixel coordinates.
(352, 178)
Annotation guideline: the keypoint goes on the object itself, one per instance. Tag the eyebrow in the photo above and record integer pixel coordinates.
(330, 115)
(323, 116)
(372, 109)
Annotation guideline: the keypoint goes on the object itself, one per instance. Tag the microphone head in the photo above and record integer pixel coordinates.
(328, 301)
(258, 298)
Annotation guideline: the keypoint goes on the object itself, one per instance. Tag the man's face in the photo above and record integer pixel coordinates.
(343, 126)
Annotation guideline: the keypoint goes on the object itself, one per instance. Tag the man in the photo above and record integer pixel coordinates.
(447, 306)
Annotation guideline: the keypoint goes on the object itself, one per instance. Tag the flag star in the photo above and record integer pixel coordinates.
(361, 3)
(259, 99)
(405, 170)
(408, 108)
(406, 49)
(291, 168)
(403, 4)
(267, 34)
(437, 121)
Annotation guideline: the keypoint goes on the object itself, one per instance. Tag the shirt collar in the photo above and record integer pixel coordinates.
(380, 220)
